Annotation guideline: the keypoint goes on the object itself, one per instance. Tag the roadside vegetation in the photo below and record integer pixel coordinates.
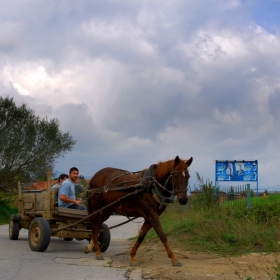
(8, 206)
(226, 228)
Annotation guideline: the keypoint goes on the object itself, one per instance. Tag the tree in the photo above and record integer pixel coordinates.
(29, 144)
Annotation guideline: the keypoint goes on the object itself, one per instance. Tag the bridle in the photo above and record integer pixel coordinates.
(159, 197)
(171, 176)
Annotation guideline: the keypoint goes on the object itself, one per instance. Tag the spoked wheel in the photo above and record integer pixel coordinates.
(14, 227)
(39, 235)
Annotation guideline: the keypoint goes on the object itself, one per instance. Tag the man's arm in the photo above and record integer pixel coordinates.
(66, 199)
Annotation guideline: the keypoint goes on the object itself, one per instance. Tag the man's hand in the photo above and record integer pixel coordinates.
(66, 199)
(78, 200)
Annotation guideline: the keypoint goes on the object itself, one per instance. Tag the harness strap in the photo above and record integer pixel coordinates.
(160, 198)
(149, 174)
(123, 223)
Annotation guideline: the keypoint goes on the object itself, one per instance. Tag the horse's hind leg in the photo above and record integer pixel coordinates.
(96, 227)
(89, 247)
(145, 228)
(93, 245)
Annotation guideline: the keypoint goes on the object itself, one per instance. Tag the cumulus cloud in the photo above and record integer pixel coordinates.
(144, 81)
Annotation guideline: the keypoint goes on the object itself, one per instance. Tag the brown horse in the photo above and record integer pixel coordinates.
(157, 187)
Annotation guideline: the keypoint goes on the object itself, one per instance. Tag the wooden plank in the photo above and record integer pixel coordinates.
(40, 201)
(71, 211)
(28, 205)
(48, 192)
(53, 199)
(20, 208)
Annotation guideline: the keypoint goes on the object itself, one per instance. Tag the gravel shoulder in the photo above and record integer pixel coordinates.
(154, 264)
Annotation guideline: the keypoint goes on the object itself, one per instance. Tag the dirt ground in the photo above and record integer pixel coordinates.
(154, 264)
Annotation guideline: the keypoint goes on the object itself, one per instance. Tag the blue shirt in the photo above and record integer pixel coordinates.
(67, 188)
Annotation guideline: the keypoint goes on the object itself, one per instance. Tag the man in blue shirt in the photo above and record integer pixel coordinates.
(66, 197)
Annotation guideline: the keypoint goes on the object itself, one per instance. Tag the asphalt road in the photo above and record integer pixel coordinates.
(65, 260)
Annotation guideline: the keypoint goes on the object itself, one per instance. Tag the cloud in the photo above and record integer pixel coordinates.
(144, 81)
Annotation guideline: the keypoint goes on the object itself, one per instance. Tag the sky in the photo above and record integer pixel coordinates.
(137, 82)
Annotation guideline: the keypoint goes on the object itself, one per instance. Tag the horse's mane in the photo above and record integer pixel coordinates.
(163, 168)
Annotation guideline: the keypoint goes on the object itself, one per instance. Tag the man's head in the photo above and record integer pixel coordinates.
(73, 174)
(62, 177)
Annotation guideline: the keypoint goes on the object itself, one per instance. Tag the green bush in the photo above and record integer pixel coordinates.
(7, 206)
(206, 197)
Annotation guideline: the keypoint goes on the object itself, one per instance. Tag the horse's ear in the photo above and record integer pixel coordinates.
(189, 162)
(177, 160)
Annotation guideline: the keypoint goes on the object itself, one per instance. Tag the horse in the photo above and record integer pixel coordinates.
(149, 191)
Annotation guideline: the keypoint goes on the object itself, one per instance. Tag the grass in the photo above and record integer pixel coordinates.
(228, 228)
(8, 206)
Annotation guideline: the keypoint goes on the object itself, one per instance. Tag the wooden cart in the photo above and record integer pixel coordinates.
(38, 212)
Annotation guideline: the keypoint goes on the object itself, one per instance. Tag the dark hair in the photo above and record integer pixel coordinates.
(73, 169)
(62, 177)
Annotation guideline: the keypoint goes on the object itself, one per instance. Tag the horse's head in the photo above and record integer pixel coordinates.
(180, 179)
(175, 176)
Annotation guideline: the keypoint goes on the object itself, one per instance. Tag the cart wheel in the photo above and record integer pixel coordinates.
(67, 238)
(104, 238)
(14, 228)
(39, 235)
(15, 217)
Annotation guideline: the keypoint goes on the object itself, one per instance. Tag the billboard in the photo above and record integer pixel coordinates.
(236, 170)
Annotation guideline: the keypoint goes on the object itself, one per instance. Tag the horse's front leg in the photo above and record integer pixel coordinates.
(145, 228)
(155, 222)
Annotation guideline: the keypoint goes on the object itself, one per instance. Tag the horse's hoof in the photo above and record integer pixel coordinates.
(176, 263)
(100, 258)
(86, 251)
(133, 263)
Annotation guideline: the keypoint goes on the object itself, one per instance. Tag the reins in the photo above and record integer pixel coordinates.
(129, 220)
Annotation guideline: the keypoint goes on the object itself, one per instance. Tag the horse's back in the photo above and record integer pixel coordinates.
(112, 175)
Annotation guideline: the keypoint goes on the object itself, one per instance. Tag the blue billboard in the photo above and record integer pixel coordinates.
(237, 170)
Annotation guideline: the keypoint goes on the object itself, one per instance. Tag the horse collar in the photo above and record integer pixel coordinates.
(160, 198)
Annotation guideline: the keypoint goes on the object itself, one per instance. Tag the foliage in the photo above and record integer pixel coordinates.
(252, 194)
(230, 195)
(79, 189)
(83, 192)
(29, 144)
(7, 206)
(206, 196)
